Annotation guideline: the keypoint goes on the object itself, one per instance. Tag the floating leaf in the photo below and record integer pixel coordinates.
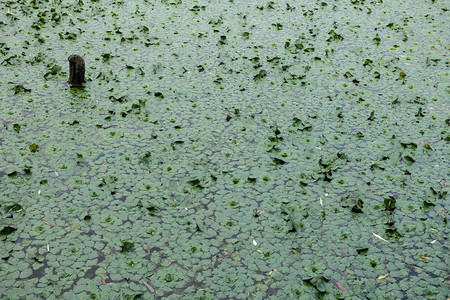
(152, 210)
(260, 75)
(122, 99)
(333, 36)
(389, 203)
(408, 145)
(146, 158)
(278, 161)
(34, 148)
(16, 128)
(126, 246)
(106, 57)
(408, 159)
(223, 40)
(377, 39)
(318, 282)
(278, 26)
(18, 89)
(14, 207)
(67, 35)
(199, 227)
(196, 183)
(362, 251)
(10, 60)
(54, 70)
(7, 230)
(341, 286)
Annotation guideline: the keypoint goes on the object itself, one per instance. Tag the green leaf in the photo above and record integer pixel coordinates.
(278, 161)
(408, 159)
(260, 75)
(126, 246)
(14, 207)
(7, 230)
(18, 89)
(152, 210)
(34, 148)
(362, 251)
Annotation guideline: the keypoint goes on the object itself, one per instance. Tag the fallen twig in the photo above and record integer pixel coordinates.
(377, 236)
(47, 223)
(148, 286)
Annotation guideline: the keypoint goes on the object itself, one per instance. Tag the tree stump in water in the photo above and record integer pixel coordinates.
(76, 70)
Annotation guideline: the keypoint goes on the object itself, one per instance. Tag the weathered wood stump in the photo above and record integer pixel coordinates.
(76, 70)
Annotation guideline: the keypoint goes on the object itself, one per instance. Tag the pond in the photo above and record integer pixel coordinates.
(225, 150)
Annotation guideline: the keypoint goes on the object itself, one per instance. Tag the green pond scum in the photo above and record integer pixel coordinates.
(235, 149)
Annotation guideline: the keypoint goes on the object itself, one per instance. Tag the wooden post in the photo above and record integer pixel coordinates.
(76, 70)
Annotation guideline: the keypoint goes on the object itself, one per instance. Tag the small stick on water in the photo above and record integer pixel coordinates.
(148, 286)
(104, 282)
(379, 237)
(50, 224)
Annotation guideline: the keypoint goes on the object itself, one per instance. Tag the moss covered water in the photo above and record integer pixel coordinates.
(225, 150)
